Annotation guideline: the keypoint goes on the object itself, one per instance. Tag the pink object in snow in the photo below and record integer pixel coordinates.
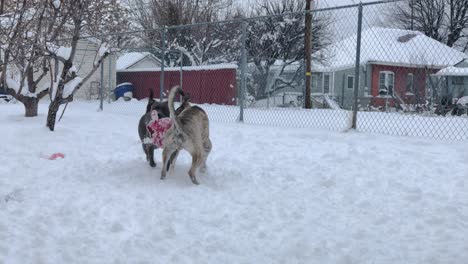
(158, 128)
(56, 155)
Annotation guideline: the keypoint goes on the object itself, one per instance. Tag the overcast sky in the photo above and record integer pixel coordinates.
(321, 3)
(345, 20)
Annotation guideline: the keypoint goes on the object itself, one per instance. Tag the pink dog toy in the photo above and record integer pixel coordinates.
(157, 128)
(53, 156)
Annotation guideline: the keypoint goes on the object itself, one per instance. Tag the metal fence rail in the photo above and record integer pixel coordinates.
(374, 79)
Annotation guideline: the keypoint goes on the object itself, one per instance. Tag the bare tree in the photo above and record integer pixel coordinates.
(32, 36)
(443, 20)
(457, 21)
(23, 64)
(85, 18)
(275, 42)
(2, 5)
(154, 13)
(199, 45)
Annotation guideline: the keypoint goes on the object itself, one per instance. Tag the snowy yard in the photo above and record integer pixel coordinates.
(271, 195)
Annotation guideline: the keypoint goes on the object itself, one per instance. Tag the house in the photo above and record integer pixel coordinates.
(213, 84)
(137, 60)
(283, 85)
(394, 67)
(83, 62)
(453, 80)
(86, 51)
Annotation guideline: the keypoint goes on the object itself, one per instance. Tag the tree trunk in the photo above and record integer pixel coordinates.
(52, 114)
(31, 106)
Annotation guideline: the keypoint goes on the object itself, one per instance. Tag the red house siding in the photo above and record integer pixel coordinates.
(400, 89)
(212, 86)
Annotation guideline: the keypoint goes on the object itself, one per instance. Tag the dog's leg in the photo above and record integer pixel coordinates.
(196, 158)
(167, 153)
(172, 161)
(149, 152)
(164, 163)
(207, 149)
(145, 150)
(151, 156)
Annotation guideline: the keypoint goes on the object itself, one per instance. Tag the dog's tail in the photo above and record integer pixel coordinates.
(172, 94)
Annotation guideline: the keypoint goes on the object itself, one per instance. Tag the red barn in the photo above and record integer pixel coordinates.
(212, 84)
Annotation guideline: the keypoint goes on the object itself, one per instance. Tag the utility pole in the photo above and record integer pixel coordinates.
(163, 56)
(412, 14)
(307, 53)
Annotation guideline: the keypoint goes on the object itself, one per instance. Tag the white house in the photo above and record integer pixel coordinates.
(83, 62)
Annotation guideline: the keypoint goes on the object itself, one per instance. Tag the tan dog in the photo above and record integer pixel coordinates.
(190, 131)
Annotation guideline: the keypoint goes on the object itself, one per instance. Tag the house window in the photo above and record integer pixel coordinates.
(386, 82)
(326, 83)
(410, 83)
(314, 84)
(458, 80)
(350, 82)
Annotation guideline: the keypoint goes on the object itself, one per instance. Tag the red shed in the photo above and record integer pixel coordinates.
(212, 84)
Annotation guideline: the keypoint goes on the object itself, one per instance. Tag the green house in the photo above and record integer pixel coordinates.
(453, 80)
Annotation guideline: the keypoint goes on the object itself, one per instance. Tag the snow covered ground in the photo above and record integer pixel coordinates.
(271, 195)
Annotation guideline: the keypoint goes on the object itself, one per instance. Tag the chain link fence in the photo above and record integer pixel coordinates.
(373, 78)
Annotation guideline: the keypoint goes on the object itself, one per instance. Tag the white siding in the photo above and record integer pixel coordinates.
(84, 58)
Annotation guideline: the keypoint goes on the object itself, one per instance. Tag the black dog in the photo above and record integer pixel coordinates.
(163, 111)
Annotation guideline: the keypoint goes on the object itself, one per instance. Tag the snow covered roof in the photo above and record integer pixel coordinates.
(390, 46)
(185, 68)
(452, 71)
(459, 69)
(128, 59)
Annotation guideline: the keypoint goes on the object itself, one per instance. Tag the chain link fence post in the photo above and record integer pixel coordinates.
(243, 71)
(101, 88)
(181, 80)
(357, 67)
(109, 92)
(161, 76)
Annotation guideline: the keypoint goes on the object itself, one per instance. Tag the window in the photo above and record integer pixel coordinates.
(314, 84)
(326, 83)
(410, 83)
(458, 80)
(350, 82)
(386, 83)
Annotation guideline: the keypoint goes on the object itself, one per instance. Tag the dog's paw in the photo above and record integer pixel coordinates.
(203, 169)
(194, 180)
(152, 164)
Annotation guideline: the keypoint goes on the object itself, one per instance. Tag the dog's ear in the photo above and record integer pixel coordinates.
(186, 97)
(150, 101)
(150, 104)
